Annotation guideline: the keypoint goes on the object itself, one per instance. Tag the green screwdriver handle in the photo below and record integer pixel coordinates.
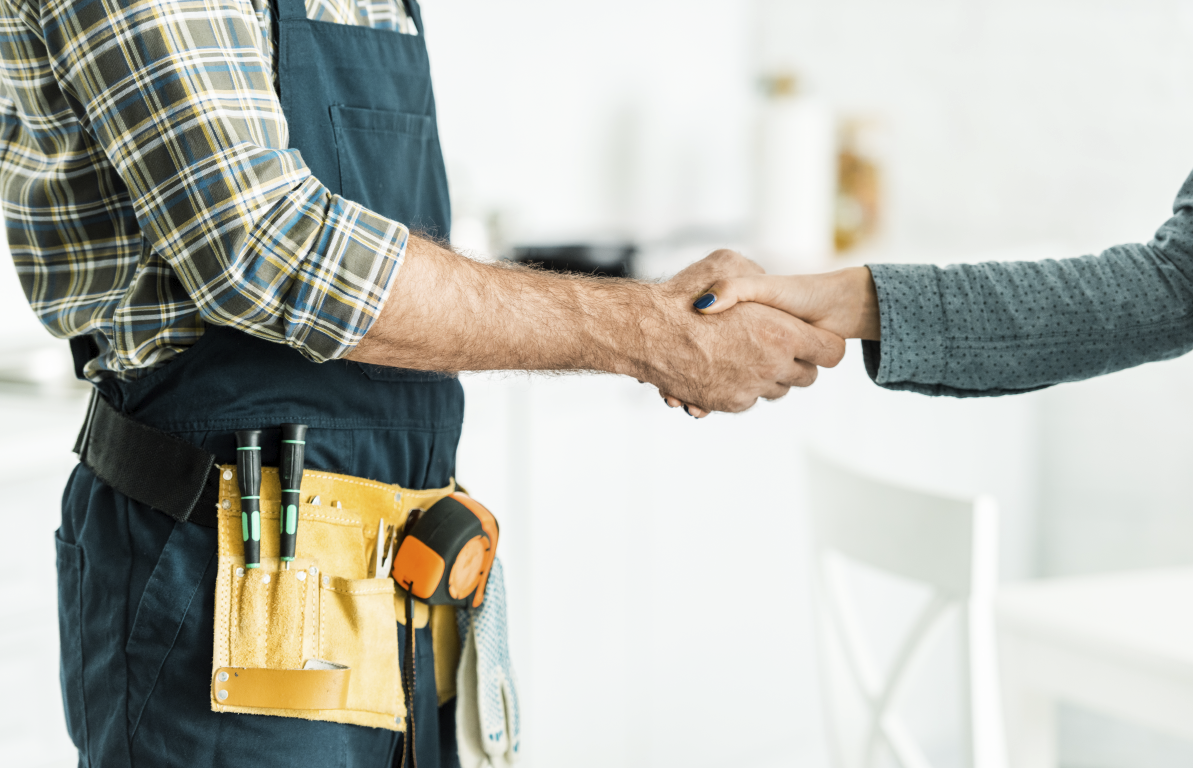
(248, 477)
(293, 452)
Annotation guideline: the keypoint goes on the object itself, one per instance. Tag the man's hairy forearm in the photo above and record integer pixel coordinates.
(446, 312)
(449, 313)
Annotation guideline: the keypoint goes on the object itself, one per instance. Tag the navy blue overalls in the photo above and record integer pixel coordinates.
(136, 589)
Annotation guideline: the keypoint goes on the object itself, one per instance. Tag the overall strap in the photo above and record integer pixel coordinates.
(147, 465)
(292, 9)
(414, 12)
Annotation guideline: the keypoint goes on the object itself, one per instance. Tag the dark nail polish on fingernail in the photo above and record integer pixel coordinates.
(685, 410)
(705, 301)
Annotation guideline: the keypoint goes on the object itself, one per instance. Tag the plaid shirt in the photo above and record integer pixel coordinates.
(148, 188)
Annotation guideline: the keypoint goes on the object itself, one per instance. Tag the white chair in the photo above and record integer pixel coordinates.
(948, 545)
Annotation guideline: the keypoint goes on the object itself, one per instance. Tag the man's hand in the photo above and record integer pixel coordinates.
(751, 352)
(844, 303)
(449, 313)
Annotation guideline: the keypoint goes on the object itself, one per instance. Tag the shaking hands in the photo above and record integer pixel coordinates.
(821, 312)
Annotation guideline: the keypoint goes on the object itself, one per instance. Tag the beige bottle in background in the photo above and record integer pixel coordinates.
(859, 185)
(796, 178)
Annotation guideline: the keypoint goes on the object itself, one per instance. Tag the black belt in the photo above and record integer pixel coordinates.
(148, 465)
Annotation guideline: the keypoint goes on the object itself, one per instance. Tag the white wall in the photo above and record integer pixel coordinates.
(620, 118)
(1116, 455)
(1011, 121)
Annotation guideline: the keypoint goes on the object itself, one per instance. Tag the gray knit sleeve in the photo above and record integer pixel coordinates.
(1003, 328)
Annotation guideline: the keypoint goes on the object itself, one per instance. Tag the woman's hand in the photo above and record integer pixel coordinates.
(844, 303)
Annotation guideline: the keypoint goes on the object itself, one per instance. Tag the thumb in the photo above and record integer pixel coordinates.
(728, 291)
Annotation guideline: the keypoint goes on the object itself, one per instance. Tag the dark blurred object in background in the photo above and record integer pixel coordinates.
(604, 260)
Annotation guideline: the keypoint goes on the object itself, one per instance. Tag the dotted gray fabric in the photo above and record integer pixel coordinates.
(1004, 328)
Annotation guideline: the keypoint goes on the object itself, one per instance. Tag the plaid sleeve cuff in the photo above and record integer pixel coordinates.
(346, 279)
(319, 270)
(358, 260)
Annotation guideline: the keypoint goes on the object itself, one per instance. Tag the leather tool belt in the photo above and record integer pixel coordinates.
(318, 641)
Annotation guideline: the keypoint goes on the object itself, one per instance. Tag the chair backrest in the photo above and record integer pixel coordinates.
(950, 546)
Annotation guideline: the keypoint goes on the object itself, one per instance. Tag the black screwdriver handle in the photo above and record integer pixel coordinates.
(294, 443)
(248, 477)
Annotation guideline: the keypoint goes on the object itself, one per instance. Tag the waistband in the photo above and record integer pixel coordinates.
(229, 381)
(186, 482)
(147, 465)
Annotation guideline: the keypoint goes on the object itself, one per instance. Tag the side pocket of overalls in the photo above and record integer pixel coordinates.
(70, 638)
(178, 578)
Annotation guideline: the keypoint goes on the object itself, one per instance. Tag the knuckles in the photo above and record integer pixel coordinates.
(718, 268)
(732, 263)
(807, 376)
(834, 352)
(741, 403)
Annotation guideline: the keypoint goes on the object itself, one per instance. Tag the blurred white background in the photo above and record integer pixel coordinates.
(1009, 129)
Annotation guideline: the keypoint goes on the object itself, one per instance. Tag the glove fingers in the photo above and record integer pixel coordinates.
(493, 666)
(492, 712)
(513, 717)
(469, 743)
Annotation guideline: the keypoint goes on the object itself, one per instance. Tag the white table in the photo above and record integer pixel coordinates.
(1121, 644)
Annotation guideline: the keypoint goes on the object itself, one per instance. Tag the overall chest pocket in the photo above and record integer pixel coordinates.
(390, 163)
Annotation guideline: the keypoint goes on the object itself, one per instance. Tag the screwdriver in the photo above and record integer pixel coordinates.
(293, 450)
(248, 476)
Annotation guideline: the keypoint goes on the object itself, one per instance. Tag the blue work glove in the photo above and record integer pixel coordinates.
(488, 722)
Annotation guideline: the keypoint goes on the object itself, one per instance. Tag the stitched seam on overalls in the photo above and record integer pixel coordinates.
(343, 425)
(157, 674)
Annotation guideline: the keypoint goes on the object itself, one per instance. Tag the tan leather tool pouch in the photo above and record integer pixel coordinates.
(318, 640)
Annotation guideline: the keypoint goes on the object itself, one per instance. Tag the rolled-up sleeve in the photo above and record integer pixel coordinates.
(1004, 328)
(180, 97)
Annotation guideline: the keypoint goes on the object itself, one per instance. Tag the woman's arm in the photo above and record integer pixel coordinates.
(1001, 328)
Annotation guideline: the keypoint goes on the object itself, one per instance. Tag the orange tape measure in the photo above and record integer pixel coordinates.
(448, 552)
